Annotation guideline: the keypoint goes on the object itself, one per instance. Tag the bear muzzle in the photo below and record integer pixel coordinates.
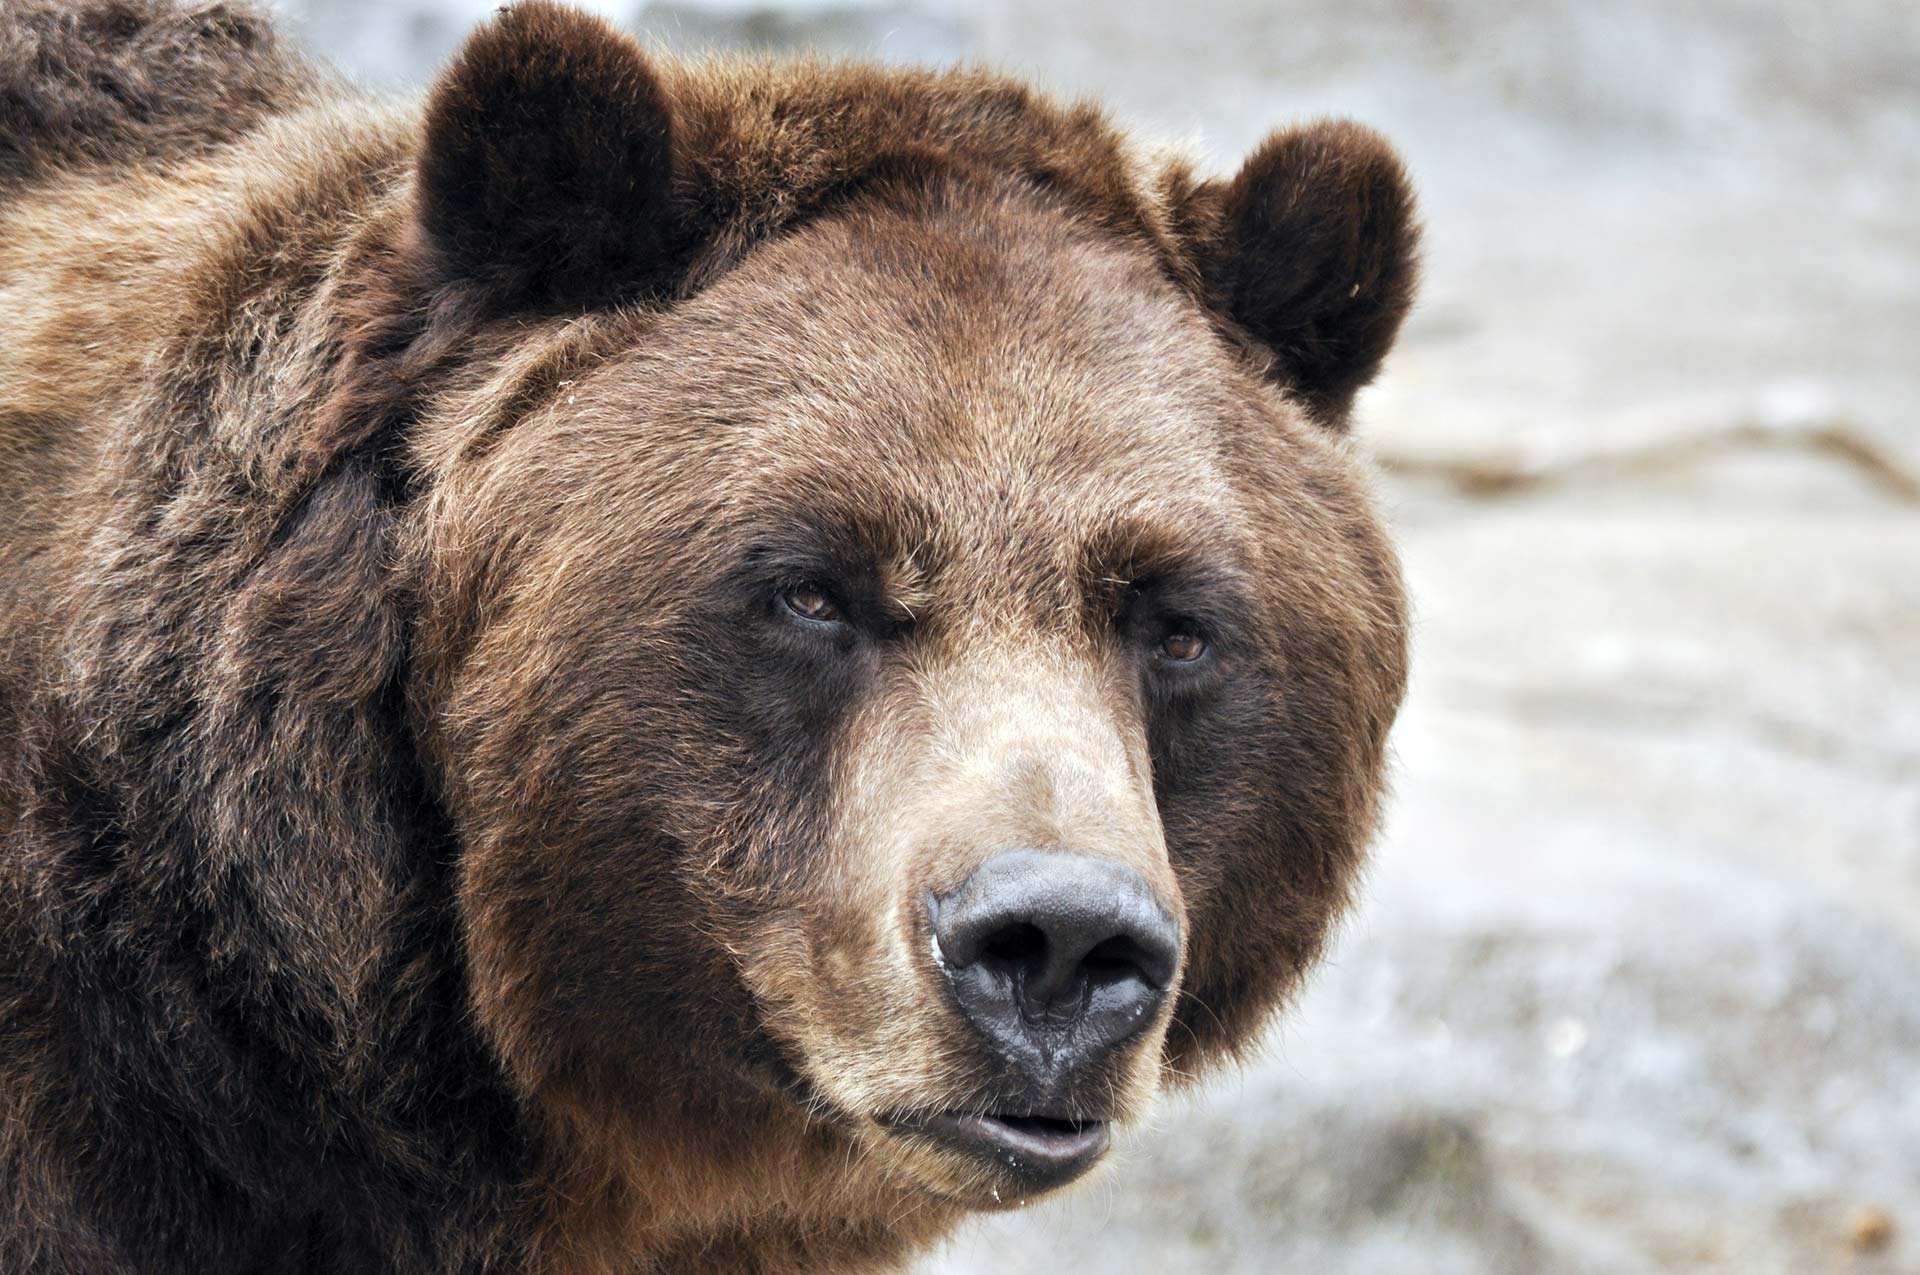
(1057, 961)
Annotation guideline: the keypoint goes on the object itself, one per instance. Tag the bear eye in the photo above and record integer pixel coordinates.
(810, 602)
(1182, 647)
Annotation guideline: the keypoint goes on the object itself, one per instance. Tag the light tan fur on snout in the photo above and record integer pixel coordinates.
(990, 743)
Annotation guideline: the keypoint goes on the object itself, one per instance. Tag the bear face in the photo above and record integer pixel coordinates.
(942, 617)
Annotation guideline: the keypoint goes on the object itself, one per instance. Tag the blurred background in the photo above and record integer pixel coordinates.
(1636, 982)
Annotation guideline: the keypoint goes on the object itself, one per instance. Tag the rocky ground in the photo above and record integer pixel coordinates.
(1636, 986)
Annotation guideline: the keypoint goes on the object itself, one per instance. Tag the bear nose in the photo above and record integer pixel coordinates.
(1054, 952)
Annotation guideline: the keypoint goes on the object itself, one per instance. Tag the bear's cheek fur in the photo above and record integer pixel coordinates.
(1269, 803)
(558, 730)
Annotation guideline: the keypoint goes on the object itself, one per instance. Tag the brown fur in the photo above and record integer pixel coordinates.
(136, 80)
(422, 848)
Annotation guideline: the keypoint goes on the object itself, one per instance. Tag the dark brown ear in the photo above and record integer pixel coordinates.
(547, 161)
(1314, 255)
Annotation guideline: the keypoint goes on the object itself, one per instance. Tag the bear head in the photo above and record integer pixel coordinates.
(905, 646)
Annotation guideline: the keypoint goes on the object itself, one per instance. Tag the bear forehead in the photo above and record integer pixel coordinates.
(966, 367)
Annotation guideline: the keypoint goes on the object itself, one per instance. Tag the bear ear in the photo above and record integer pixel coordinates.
(1314, 255)
(547, 160)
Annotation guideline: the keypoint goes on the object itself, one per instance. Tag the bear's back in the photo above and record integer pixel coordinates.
(132, 81)
(143, 143)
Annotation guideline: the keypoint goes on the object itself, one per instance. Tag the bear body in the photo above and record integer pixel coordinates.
(559, 649)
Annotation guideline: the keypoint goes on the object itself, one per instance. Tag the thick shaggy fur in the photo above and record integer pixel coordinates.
(134, 80)
(421, 847)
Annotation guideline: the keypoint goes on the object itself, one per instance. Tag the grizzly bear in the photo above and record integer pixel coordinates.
(650, 666)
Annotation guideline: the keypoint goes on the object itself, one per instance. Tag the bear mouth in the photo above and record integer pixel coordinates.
(1038, 1151)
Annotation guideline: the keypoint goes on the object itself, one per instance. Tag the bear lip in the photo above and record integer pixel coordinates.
(1039, 1151)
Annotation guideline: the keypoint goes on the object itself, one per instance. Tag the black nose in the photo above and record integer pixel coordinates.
(1056, 953)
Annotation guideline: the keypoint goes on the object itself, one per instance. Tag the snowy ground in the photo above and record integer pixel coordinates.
(1637, 983)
